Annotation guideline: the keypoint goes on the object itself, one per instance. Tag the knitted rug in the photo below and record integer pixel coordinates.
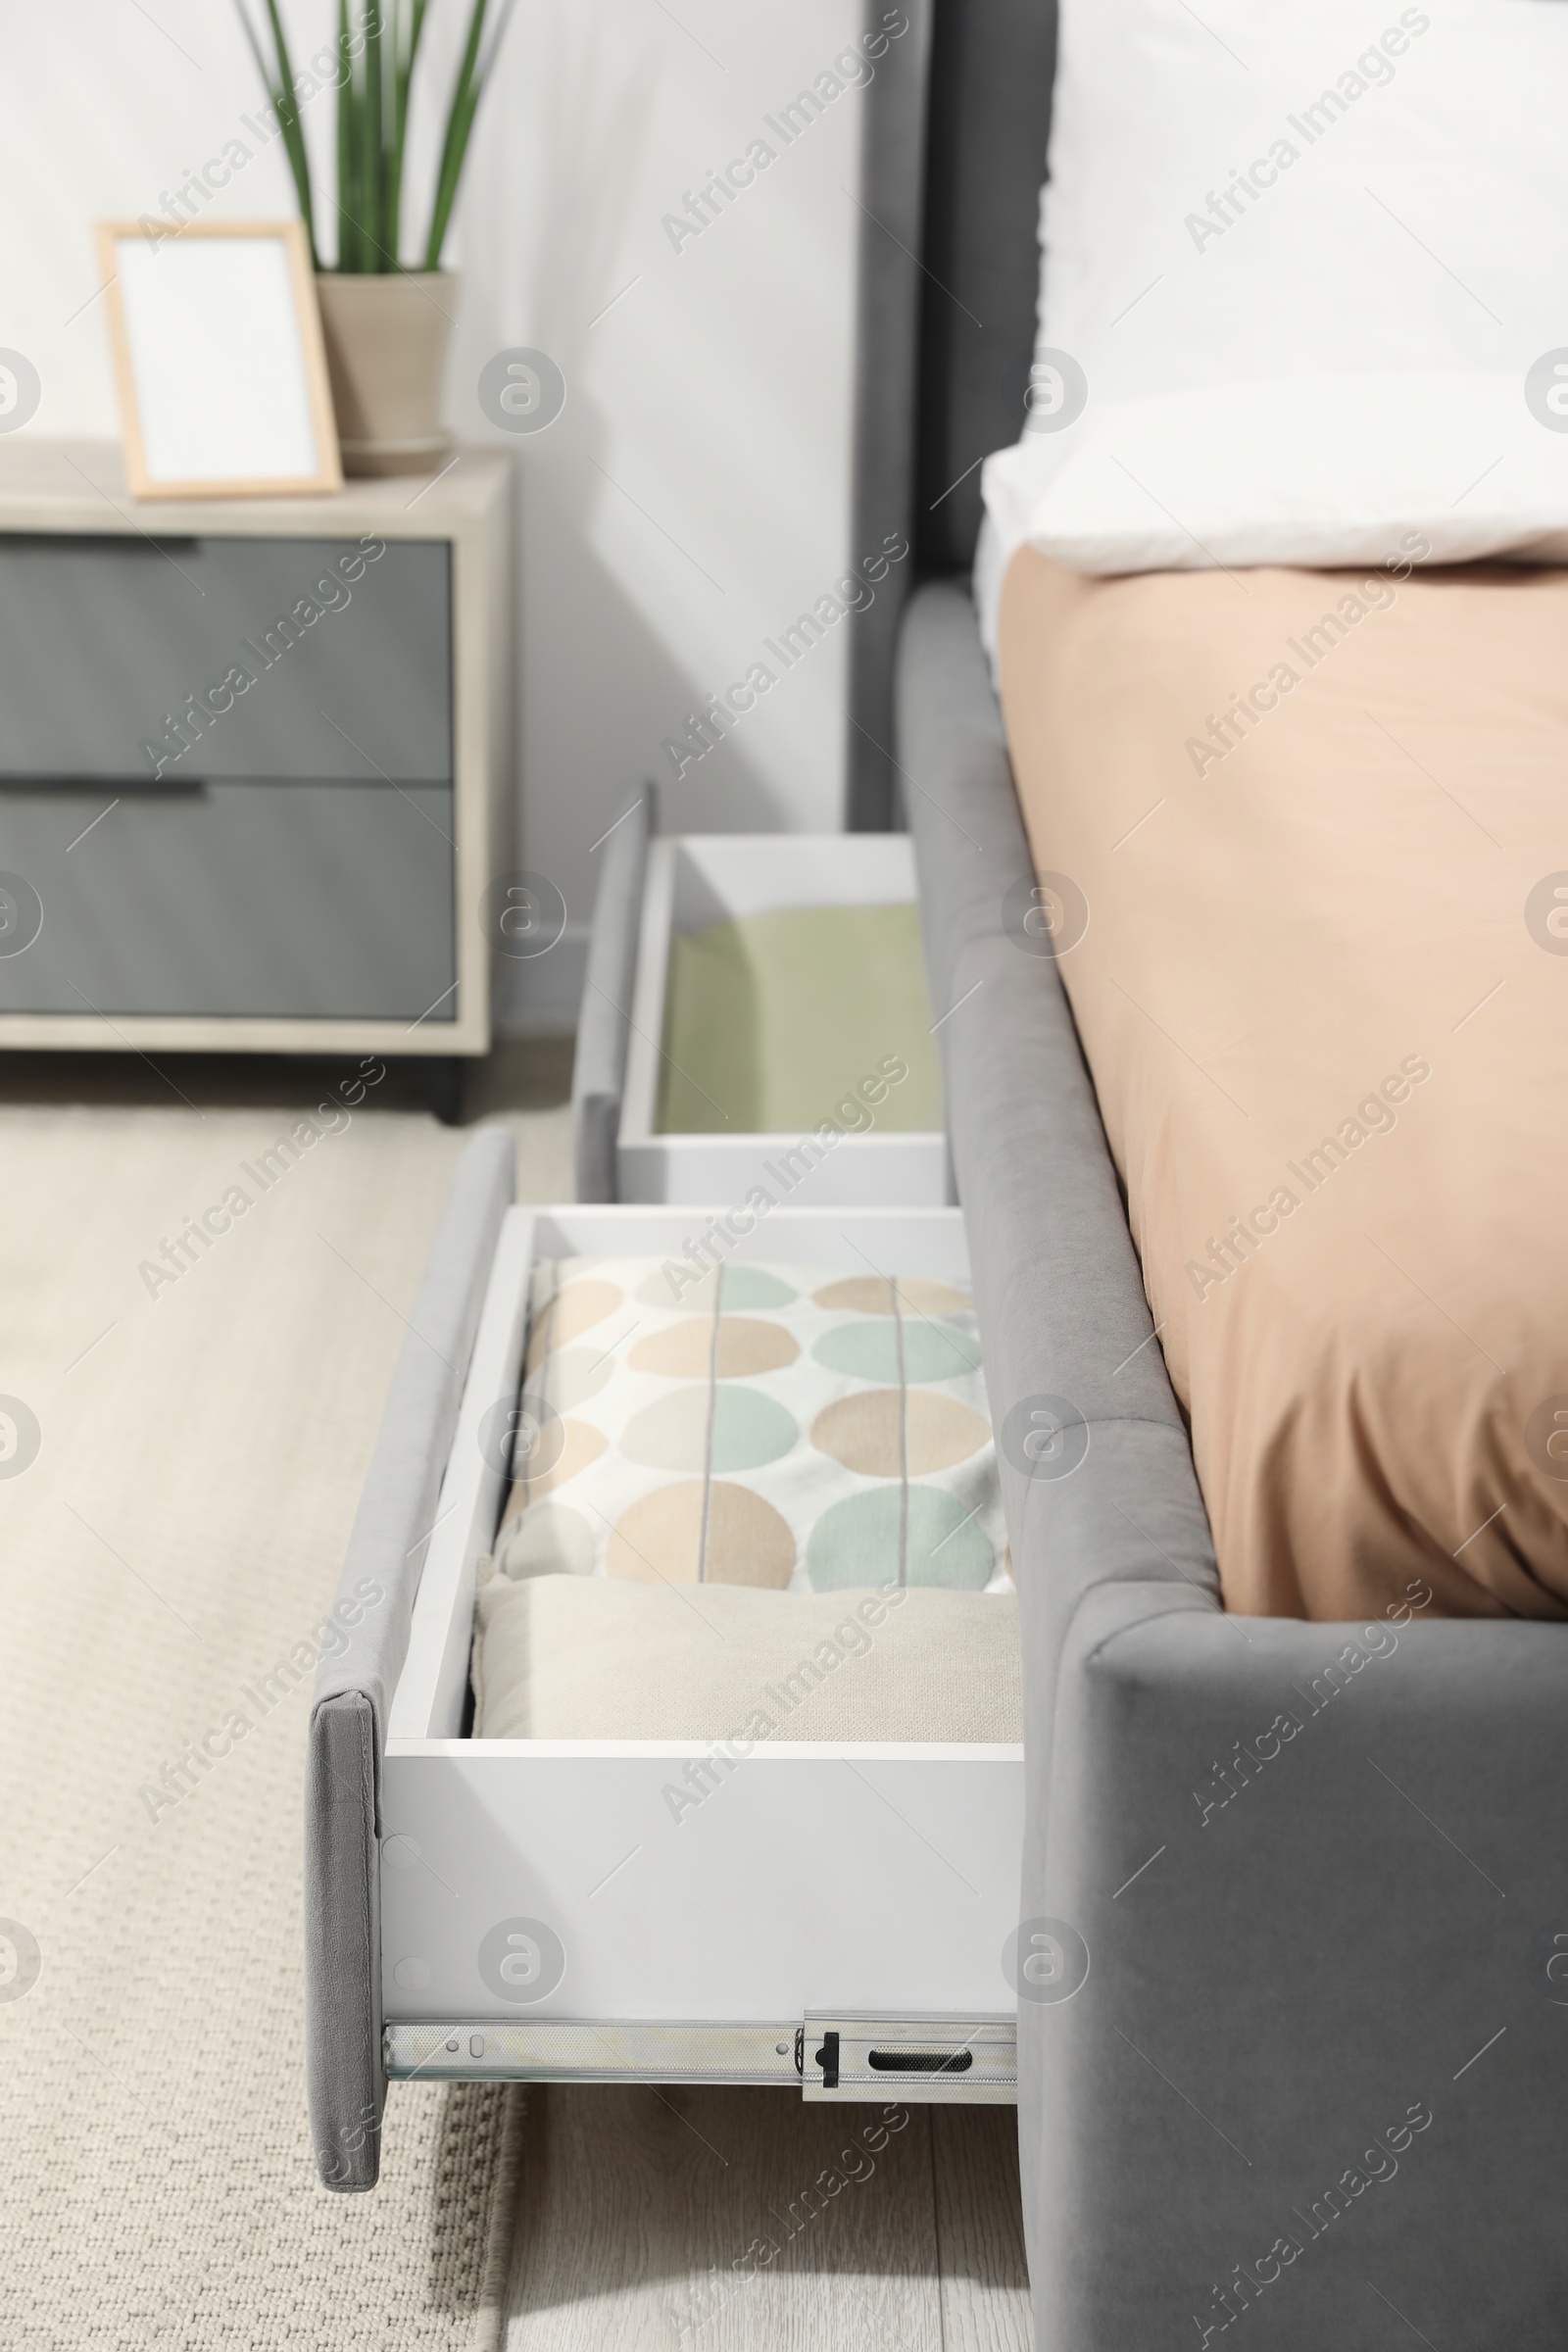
(180, 1464)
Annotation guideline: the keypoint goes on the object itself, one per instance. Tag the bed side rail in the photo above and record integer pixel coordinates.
(1097, 1471)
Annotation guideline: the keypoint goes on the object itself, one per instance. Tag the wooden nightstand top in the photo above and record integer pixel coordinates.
(48, 485)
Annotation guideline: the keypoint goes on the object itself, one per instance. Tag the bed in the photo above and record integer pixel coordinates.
(1267, 1830)
(1303, 2074)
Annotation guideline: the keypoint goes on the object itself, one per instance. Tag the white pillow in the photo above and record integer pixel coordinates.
(1250, 194)
(1370, 469)
(1423, 226)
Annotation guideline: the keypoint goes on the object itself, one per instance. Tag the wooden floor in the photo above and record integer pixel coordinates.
(746, 2221)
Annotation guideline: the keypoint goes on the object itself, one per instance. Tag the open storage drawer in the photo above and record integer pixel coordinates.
(839, 1152)
(830, 1915)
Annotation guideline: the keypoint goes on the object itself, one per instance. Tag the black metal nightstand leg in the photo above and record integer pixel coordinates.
(444, 1074)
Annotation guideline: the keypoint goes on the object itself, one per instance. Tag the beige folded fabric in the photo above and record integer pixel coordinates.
(578, 1657)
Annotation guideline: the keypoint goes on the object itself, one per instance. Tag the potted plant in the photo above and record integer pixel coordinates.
(385, 323)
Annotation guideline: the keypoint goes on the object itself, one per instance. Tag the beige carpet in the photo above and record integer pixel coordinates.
(178, 1533)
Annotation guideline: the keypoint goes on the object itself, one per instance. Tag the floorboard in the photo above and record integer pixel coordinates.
(985, 2281)
(694, 2220)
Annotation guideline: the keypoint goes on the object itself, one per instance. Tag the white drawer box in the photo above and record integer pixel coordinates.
(819, 1882)
(698, 879)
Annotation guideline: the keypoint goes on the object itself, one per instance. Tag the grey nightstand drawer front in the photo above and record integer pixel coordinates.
(310, 900)
(117, 655)
(226, 778)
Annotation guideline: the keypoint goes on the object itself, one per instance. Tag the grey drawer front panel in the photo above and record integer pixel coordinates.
(304, 900)
(102, 641)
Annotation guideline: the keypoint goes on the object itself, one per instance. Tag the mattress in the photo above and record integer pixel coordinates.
(1302, 841)
(774, 1022)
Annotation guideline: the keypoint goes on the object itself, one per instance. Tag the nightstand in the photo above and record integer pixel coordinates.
(256, 775)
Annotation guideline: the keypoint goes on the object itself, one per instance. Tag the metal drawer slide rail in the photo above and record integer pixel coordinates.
(930, 2060)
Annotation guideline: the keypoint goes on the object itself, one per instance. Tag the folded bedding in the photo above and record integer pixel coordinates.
(773, 1020)
(749, 1500)
(1302, 841)
(568, 1657)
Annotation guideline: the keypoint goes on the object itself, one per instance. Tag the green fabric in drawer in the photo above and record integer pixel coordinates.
(776, 1022)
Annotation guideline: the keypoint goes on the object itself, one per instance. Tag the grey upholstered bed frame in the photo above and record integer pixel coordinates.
(1314, 2085)
(1293, 1942)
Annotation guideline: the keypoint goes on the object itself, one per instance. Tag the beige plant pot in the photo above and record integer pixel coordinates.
(386, 346)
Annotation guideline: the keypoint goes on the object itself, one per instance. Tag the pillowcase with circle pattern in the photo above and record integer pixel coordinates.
(789, 1427)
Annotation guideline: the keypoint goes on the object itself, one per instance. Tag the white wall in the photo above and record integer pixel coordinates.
(694, 494)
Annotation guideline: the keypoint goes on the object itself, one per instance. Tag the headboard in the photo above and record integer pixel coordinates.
(954, 154)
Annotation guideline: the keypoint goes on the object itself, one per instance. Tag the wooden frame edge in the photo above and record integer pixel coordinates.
(139, 480)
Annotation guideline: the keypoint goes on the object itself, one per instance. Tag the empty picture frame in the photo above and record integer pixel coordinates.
(219, 359)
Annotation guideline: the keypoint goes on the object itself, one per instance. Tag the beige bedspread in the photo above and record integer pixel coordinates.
(1320, 822)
